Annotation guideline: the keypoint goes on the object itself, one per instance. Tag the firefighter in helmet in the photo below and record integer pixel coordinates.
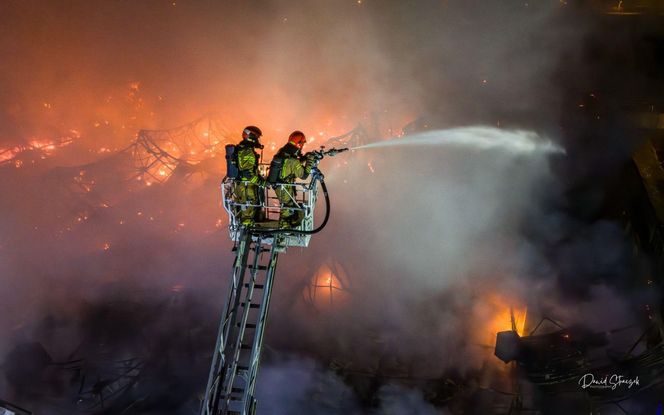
(294, 166)
(247, 188)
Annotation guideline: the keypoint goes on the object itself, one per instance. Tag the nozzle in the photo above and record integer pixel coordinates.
(334, 151)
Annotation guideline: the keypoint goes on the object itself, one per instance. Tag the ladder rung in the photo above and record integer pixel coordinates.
(251, 305)
(237, 390)
(260, 267)
(245, 368)
(257, 286)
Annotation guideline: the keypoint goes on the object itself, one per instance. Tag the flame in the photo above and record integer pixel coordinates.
(328, 288)
(493, 313)
(45, 145)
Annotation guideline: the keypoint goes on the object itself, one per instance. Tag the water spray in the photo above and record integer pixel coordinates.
(478, 138)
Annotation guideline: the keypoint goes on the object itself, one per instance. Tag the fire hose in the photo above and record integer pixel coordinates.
(317, 177)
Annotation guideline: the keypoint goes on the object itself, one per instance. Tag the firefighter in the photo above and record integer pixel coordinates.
(293, 166)
(248, 187)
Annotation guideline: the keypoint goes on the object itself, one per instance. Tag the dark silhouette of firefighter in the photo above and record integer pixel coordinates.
(287, 165)
(247, 188)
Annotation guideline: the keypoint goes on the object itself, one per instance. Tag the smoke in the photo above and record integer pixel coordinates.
(319, 67)
(297, 385)
(434, 241)
(429, 233)
(301, 385)
(450, 207)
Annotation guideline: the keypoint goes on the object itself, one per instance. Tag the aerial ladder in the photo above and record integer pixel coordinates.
(232, 381)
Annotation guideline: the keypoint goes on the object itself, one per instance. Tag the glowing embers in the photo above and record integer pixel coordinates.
(157, 154)
(44, 147)
(633, 7)
(86, 184)
(329, 288)
(153, 163)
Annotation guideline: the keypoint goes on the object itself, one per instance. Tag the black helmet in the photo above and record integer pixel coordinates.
(252, 134)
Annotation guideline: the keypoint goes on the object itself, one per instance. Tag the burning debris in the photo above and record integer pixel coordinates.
(33, 149)
(329, 288)
(158, 154)
(113, 241)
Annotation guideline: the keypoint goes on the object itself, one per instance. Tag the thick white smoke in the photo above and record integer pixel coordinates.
(426, 233)
(444, 206)
(302, 386)
(433, 229)
(423, 231)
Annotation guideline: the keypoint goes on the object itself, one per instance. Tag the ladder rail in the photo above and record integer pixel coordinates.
(218, 368)
(235, 363)
(260, 330)
(232, 379)
(236, 350)
(218, 358)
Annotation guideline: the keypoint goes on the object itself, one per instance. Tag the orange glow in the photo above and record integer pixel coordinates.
(329, 288)
(493, 313)
(46, 146)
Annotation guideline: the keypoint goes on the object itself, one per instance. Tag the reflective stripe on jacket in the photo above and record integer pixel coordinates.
(247, 162)
(293, 167)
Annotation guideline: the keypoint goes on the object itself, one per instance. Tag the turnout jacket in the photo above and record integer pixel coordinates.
(247, 162)
(294, 166)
